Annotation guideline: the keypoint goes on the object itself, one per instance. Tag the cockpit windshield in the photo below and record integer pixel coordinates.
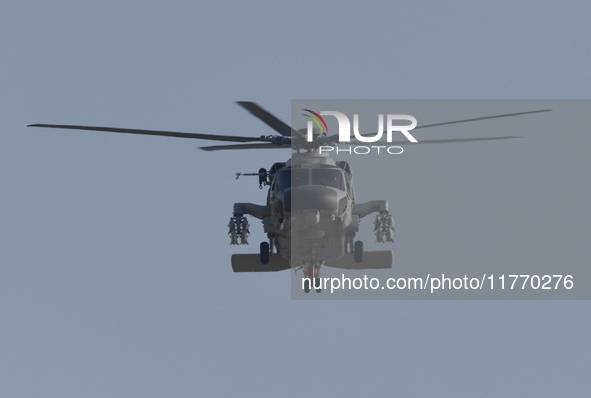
(292, 177)
(328, 177)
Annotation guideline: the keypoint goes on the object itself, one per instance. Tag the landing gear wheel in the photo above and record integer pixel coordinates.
(317, 284)
(307, 285)
(358, 252)
(265, 252)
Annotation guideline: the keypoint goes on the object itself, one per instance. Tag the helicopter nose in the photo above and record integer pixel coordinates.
(310, 198)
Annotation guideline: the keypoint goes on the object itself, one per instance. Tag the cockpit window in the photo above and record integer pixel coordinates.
(292, 177)
(328, 178)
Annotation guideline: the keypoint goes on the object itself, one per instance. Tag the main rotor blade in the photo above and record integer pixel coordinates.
(214, 137)
(269, 119)
(463, 121)
(394, 143)
(244, 146)
(447, 141)
(481, 118)
(452, 140)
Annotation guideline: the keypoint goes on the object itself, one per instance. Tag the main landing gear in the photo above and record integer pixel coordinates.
(354, 248)
(265, 251)
(358, 252)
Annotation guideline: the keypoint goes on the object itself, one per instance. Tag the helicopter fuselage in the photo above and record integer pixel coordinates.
(311, 201)
(311, 218)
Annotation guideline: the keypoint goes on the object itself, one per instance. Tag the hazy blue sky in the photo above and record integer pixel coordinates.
(114, 261)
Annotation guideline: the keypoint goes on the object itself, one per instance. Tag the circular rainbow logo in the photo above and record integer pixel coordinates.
(316, 118)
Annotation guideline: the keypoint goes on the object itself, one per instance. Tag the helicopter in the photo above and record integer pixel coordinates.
(311, 215)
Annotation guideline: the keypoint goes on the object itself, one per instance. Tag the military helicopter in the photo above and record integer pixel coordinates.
(311, 216)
